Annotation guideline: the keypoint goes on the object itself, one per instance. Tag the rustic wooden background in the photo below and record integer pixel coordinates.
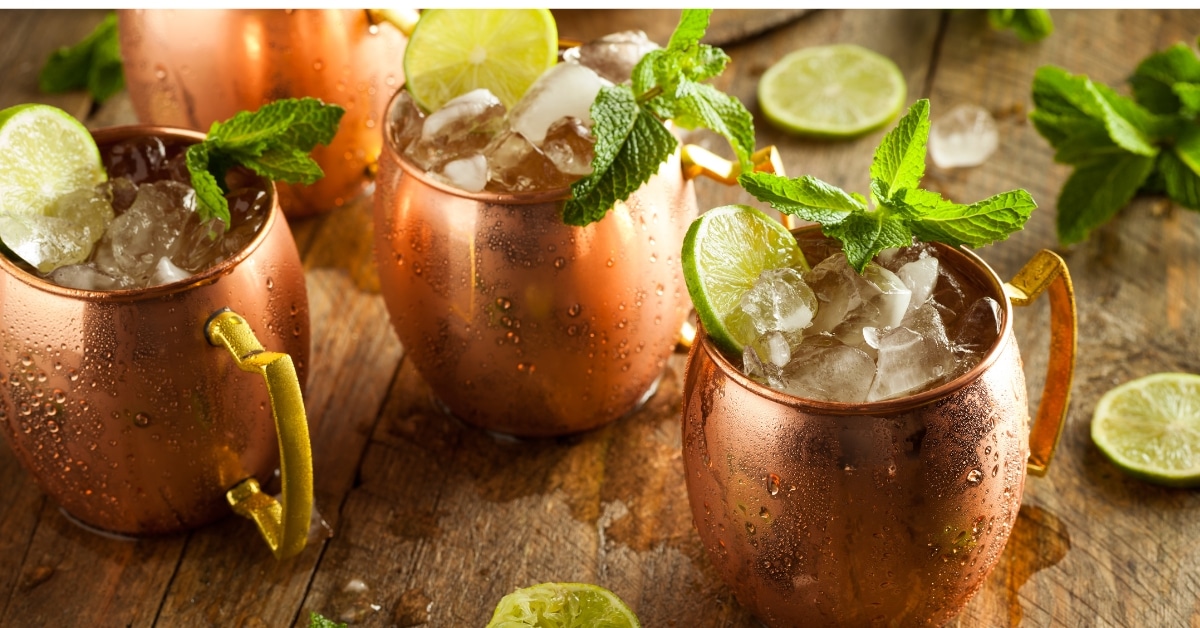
(435, 521)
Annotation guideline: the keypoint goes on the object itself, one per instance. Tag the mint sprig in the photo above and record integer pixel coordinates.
(93, 64)
(901, 209)
(631, 142)
(1121, 146)
(274, 142)
(1029, 24)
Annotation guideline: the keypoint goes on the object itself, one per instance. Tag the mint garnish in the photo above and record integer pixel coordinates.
(1121, 146)
(631, 142)
(901, 209)
(316, 620)
(273, 142)
(1028, 24)
(94, 64)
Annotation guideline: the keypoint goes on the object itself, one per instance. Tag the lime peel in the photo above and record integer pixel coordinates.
(1150, 428)
(724, 252)
(563, 605)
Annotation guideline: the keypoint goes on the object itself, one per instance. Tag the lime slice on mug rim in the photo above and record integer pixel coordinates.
(45, 153)
(454, 51)
(724, 252)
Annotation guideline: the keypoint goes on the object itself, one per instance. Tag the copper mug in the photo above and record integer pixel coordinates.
(525, 325)
(127, 408)
(893, 512)
(189, 68)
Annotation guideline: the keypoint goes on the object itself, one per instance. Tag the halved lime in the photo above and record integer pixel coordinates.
(832, 91)
(1150, 428)
(563, 605)
(724, 252)
(44, 154)
(454, 51)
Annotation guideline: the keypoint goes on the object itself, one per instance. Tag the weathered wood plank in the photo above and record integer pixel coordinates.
(726, 26)
(1092, 547)
(27, 38)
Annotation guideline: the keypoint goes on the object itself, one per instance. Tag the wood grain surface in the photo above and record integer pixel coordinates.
(433, 521)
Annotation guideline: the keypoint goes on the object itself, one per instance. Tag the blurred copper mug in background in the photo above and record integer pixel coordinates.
(189, 68)
(126, 414)
(893, 512)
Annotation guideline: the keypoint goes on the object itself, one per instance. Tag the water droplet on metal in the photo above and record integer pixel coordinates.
(52, 426)
(574, 310)
(318, 65)
(141, 419)
(773, 484)
(975, 476)
(503, 303)
(270, 283)
(750, 528)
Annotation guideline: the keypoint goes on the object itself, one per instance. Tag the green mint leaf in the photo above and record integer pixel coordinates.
(646, 146)
(1074, 98)
(1155, 77)
(865, 234)
(1129, 124)
(318, 621)
(210, 200)
(1096, 191)
(914, 203)
(94, 63)
(702, 105)
(273, 142)
(1180, 182)
(1032, 24)
(614, 113)
(900, 159)
(1000, 19)
(691, 28)
(285, 163)
(1189, 98)
(977, 224)
(807, 198)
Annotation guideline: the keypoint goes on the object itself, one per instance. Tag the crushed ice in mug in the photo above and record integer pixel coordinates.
(909, 323)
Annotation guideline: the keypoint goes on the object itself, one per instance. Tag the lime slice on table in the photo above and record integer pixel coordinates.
(44, 154)
(1150, 428)
(453, 51)
(832, 91)
(563, 605)
(724, 252)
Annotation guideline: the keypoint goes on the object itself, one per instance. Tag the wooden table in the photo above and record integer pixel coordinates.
(435, 521)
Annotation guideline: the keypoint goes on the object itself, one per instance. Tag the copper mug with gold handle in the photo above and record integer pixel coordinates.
(894, 512)
(523, 324)
(189, 68)
(127, 407)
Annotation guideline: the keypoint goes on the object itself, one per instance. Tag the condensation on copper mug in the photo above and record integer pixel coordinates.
(520, 323)
(119, 407)
(189, 68)
(846, 517)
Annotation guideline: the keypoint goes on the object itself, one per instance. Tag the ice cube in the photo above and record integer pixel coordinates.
(406, 121)
(570, 145)
(977, 329)
(948, 295)
(122, 192)
(461, 128)
(469, 173)
(779, 301)
(964, 137)
(564, 90)
(152, 228)
(515, 165)
(920, 276)
(838, 290)
(893, 259)
(758, 370)
(823, 368)
(83, 277)
(613, 56)
(772, 348)
(893, 298)
(166, 272)
(139, 158)
(913, 357)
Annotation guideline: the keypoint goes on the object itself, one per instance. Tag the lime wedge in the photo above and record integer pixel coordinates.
(44, 154)
(1150, 428)
(563, 605)
(832, 91)
(454, 51)
(724, 252)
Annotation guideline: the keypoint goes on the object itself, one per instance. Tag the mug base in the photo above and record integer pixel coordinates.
(108, 534)
(505, 437)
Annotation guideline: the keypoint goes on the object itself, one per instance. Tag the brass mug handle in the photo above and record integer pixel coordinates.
(700, 162)
(1048, 271)
(283, 524)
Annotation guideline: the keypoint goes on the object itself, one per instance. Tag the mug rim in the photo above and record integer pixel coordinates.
(411, 169)
(204, 277)
(886, 406)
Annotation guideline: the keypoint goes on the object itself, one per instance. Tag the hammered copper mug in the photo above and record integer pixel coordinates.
(189, 68)
(127, 406)
(893, 512)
